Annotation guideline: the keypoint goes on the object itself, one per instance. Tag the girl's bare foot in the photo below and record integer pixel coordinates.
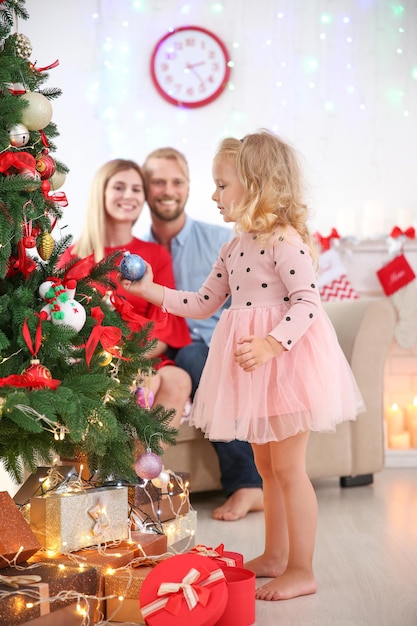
(291, 584)
(265, 567)
(239, 504)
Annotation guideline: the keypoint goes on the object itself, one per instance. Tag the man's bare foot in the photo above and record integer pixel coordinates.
(265, 567)
(239, 504)
(291, 584)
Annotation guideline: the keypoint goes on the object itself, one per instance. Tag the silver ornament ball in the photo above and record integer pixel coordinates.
(19, 135)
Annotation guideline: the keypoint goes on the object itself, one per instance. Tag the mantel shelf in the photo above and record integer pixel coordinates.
(401, 458)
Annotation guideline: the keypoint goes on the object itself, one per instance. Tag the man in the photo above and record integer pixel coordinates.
(194, 247)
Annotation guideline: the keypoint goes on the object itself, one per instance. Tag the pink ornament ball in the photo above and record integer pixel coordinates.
(148, 465)
(144, 397)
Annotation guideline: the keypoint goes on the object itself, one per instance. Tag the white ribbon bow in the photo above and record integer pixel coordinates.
(189, 592)
(16, 581)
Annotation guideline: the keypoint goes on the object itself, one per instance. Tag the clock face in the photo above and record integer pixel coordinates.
(189, 66)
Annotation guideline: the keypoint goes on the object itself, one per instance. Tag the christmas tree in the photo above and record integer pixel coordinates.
(69, 358)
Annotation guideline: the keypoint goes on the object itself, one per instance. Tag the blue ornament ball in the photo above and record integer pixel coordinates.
(132, 266)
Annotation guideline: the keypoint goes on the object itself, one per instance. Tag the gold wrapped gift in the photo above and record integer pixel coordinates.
(66, 522)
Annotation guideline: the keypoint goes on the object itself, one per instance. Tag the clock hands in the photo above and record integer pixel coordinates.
(191, 66)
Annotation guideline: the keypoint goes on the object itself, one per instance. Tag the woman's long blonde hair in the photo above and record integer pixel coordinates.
(273, 191)
(92, 239)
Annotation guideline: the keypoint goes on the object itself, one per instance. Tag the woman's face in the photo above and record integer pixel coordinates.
(124, 196)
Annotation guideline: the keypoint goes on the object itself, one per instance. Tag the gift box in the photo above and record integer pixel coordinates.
(151, 503)
(240, 607)
(71, 615)
(125, 585)
(223, 557)
(185, 589)
(26, 602)
(66, 522)
(163, 510)
(109, 558)
(17, 540)
(41, 481)
(180, 532)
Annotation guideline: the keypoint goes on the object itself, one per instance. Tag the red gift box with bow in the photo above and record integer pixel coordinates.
(185, 589)
(223, 558)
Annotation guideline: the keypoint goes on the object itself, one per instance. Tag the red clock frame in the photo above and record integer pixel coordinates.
(171, 97)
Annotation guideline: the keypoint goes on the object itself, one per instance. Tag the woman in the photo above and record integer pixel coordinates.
(115, 203)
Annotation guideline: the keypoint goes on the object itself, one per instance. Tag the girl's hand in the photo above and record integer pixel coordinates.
(144, 287)
(256, 351)
(137, 287)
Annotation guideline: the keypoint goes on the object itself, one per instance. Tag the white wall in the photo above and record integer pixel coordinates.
(341, 90)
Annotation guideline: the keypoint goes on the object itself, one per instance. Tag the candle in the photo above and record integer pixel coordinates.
(412, 429)
(395, 420)
(401, 441)
(410, 413)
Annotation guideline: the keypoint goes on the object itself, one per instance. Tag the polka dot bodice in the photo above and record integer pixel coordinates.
(279, 275)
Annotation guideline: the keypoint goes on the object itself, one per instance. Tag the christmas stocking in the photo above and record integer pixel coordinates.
(399, 283)
(333, 281)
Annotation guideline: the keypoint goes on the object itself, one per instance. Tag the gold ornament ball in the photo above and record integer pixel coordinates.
(105, 358)
(39, 112)
(57, 179)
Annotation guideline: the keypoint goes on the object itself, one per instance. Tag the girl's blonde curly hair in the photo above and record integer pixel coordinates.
(273, 191)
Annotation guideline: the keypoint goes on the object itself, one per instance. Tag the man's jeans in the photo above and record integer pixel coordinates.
(236, 462)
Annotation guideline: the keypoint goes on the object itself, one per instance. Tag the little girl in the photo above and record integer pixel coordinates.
(275, 370)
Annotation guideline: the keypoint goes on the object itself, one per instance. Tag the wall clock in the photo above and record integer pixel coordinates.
(189, 66)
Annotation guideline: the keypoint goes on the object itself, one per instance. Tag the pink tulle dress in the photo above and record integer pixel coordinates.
(274, 291)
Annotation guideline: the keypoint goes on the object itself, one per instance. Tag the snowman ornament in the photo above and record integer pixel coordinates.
(61, 307)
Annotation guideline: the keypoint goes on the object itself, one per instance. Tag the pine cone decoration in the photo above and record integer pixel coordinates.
(45, 246)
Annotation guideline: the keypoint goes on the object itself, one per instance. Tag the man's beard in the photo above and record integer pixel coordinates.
(167, 217)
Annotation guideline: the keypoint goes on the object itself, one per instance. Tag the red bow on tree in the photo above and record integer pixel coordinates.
(17, 160)
(128, 314)
(108, 336)
(397, 232)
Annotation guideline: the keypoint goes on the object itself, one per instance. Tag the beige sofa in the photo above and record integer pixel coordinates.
(355, 451)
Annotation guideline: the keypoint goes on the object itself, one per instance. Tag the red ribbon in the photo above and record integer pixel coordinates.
(44, 139)
(29, 381)
(128, 314)
(47, 67)
(38, 334)
(81, 269)
(58, 198)
(325, 241)
(23, 263)
(108, 336)
(397, 232)
(19, 160)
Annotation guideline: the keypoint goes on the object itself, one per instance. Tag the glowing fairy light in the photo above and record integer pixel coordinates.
(326, 18)
(397, 10)
(311, 64)
(217, 7)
